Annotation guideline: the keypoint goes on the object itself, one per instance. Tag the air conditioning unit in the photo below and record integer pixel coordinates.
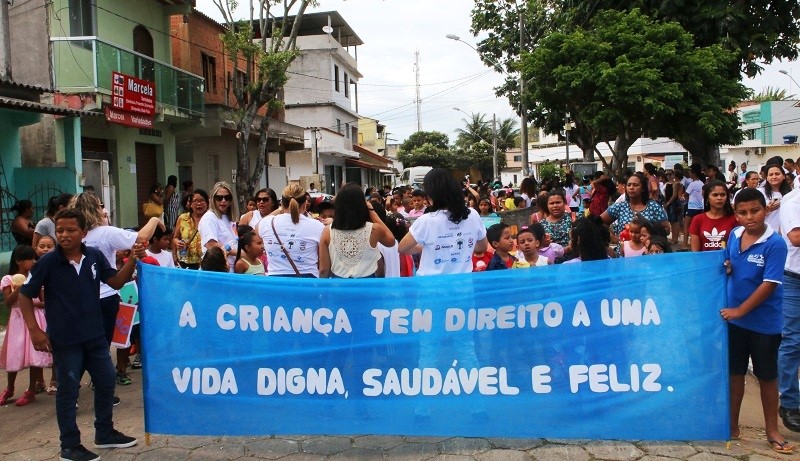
(760, 151)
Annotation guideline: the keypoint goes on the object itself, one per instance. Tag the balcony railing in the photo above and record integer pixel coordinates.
(83, 64)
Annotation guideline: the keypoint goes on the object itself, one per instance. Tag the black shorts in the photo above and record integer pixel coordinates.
(744, 344)
(691, 213)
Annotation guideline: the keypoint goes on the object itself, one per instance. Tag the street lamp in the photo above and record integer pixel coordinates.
(523, 116)
(494, 142)
(784, 72)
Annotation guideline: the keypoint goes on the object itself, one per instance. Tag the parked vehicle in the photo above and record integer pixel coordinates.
(413, 176)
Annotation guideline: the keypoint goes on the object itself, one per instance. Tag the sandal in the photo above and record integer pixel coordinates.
(52, 388)
(7, 393)
(39, 387)
(27, 397)
(781, 447)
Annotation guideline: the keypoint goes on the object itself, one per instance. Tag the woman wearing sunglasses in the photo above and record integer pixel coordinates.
(217, 228)
(266, 203)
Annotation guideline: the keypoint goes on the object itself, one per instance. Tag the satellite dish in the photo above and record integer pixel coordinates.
(327, 29)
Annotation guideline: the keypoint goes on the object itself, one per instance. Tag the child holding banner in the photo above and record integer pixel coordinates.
(755, 257)
(71, 277)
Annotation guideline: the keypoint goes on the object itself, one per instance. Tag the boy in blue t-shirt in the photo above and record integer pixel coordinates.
(755, 257)
(500, 238)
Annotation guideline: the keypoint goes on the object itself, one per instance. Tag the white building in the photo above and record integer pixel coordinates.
(322, 95)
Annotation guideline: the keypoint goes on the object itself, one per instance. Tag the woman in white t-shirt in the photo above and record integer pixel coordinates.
(291, 239)
(448, 232)
(216, 227)
(774, 189)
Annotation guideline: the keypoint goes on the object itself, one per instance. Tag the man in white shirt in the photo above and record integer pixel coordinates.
(789, 352)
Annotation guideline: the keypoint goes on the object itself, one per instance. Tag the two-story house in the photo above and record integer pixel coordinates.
(112, 58)
(207, 153)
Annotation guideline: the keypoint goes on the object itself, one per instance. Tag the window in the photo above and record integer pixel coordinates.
(347, 130)
(338, 125)
(346, 86)
(517, 158)
(209, 72)
(81, 18)
(239, 82)
(750, 134)
(336, 77)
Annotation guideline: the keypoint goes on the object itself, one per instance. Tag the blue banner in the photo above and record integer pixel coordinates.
(621, 349)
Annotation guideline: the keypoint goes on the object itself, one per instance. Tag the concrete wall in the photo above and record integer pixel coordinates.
(304, 88)
(784, 120)
(30, 43)
(115, 21)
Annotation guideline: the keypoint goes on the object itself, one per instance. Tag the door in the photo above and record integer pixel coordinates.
(146, 175)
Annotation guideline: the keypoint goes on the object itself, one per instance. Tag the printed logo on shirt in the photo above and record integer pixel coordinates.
(715, 238)
(438, 261)
(94, 271)
(757, 259)
(460, 243)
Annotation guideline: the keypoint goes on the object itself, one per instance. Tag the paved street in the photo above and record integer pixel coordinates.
(30, 433)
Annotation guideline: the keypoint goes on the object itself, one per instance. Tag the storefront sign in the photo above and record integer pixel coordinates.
(128, 119)
(133, 95)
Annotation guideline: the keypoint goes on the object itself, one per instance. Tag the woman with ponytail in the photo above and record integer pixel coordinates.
(291, 239)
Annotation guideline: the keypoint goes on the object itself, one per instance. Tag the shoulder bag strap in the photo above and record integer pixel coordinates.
(283, 248)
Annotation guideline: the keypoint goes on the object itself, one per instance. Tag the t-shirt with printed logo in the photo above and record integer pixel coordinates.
(712, 232)
(762, 262)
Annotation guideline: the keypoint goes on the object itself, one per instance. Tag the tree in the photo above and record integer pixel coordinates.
(626, 76)
(507, 134)
(265, 62)
(770, 94)
(426, 148)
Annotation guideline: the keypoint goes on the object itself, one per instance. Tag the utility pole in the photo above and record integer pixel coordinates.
(523, 116)
(418, 101)
(567, 127)
(494, 147)
(314, 150)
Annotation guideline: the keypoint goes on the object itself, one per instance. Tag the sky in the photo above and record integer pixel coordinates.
(451, 73)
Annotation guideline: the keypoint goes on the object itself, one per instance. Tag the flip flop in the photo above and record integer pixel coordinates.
(781, 447)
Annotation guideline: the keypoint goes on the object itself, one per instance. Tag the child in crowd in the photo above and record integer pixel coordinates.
(485, 208)
(589, 239)
(529, 240)
(248, 257)
(755, 258)
(651, 229)
(501, 240)
(326, 210)
(17, 352)
(519, 202)
(214, 260)
(417, 203)
(541, 209)
(658, 245)
(709, 230)
(634, 247)
(75, 330)
(159, 247)
(45, 245)
(558, 221)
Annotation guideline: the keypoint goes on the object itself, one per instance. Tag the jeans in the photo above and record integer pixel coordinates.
(70, 362)
(789, 352)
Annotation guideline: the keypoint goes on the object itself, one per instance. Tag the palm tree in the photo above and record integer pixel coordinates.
(507, 134)
(771, 94)
(476, 130)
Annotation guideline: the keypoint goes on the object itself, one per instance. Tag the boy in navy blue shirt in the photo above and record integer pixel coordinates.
(755, 256)
(71, 277)
(500, 238)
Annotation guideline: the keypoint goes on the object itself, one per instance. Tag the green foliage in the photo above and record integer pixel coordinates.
(549, 170)
(626, 75)
(771, 94)
(426, 155)
(435, 138)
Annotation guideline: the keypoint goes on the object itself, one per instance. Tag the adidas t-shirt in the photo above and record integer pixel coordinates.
(712, 232)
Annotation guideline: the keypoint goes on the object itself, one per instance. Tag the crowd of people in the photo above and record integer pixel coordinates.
(400, 232)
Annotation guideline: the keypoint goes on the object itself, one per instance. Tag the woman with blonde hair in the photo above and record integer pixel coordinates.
(291, 239)
(108, 239)
(217, 227)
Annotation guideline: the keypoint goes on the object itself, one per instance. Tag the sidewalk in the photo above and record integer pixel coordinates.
(30, 433)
